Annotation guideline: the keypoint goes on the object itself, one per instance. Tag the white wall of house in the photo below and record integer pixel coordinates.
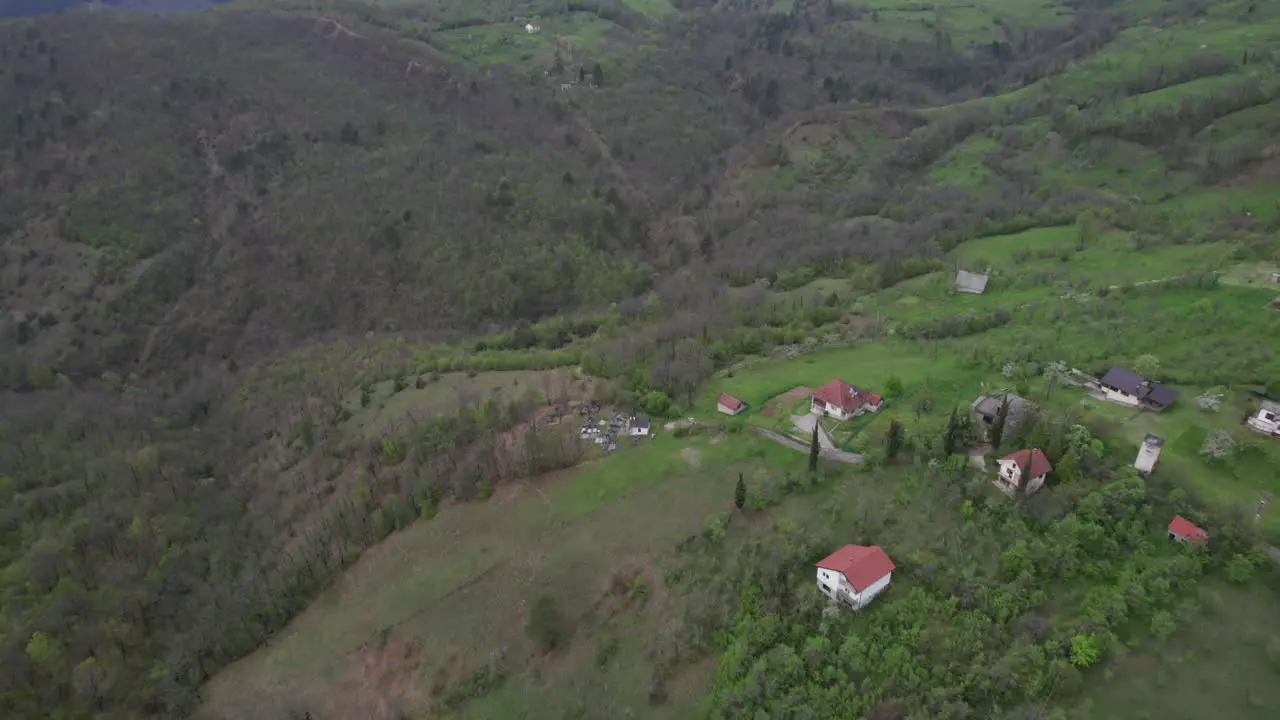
(1266, 422)
(1117, 396)
(726, 410)
(876, 588)
(1009, 478)
(1010, 473)
(831, 582)
(820, 408)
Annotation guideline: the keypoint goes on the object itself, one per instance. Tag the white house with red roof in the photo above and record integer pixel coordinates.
(855, 574)
(1023, 469)
(1185, 531)
(840, 400)
(730, 405)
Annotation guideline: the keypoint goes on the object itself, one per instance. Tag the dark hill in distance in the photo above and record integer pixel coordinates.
(31, 8)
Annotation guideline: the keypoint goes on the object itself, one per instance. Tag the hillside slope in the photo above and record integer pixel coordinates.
(219, 185)
(260, 267)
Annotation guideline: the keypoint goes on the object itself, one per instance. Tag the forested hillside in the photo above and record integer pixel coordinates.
(280, 278)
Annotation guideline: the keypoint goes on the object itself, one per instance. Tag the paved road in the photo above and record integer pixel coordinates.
(837, 455)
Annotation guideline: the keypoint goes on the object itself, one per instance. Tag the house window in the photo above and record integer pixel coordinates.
(824, 587)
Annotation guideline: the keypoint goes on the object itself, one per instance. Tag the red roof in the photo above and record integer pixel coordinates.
(840, 394)
(861, 565)
(1033, 462)
(1183, 527)
(730, 401)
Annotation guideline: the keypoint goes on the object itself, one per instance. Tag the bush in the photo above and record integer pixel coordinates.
(1163, 625)
(547, 625)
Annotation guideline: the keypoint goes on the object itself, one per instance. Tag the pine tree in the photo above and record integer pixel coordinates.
(813, 448)
(740, 493)
(997, 427)
(597, 75)
(949, 439)
(893, 441)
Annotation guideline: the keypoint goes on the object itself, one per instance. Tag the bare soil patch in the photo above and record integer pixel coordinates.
(691, 456)
(780, 406)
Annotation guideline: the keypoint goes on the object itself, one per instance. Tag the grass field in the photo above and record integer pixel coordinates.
(389, 409)
(459, 586)
(1222, 664)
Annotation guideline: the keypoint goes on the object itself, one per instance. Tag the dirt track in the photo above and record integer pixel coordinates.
(780, 405)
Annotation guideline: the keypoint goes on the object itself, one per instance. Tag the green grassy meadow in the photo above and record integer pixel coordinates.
(1222, 664)
(442, 583)
(390, 408)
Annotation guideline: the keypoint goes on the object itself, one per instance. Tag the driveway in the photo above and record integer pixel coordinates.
(837, 455)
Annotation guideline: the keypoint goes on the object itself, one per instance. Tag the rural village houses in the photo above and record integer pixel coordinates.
(1024, 468)
(1185, 531)
(840, 400)
(730, 405)
(855, 574)
(1129, 388)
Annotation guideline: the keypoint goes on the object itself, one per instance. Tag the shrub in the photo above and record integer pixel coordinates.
(547, 625)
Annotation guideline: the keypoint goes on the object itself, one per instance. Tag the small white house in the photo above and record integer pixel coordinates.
(638, 427)
(971, 282)
(1267, 419)
(1148, 454)
(1024, 467)
(729, 405)
(855, 574)
(531, 28)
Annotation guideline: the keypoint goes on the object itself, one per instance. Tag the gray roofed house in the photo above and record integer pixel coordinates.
(971, 282)
(987, 408)
(1130, 388)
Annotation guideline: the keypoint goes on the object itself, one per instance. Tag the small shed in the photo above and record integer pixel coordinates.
(729, 405)
(1267, 419)
(1185, 531)
(1148, 454)
(971, 282)
(639, 427)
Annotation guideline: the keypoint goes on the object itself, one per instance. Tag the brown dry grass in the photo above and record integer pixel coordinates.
(781, 404)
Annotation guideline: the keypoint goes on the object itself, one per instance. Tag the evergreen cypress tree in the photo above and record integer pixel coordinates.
(997, 427)
(893, 441)
(813, 448)
(949, 439)
(740, 493)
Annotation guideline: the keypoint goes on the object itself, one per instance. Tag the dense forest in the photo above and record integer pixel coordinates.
(218, 227)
